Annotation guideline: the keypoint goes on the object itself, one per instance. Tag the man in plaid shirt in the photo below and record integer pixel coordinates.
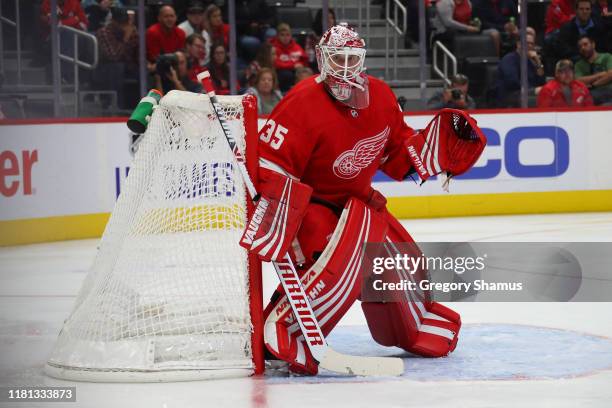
(118, 47)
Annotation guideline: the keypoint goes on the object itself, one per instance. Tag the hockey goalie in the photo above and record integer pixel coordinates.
(319, 150)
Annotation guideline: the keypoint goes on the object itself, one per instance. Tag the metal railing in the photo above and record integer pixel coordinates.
(340, 6)
(363, 23)
(397, 30)
(76, 62)
(17, 25)
(446, 57)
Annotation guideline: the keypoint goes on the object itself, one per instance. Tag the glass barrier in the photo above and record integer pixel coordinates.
(109, 53)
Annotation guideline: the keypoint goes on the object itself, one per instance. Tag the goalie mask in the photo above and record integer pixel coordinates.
(341, 56)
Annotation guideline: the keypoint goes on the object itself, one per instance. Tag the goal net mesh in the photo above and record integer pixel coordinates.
(168, 290)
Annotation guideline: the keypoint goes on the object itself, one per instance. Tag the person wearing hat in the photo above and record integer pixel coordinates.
(195, 24)
(118, 40)
(564, 91)
(98, 14)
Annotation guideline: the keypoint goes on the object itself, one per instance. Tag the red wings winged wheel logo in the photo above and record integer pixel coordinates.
(349, 164)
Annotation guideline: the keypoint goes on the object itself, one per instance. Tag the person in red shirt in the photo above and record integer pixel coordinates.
(69, 13)
(321, 146)
(558, 13)
(605, 10)
(564, 91)
(216, 28)
(164, 36)
(289, 56)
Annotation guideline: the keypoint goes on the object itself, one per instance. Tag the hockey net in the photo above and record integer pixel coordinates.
(171, 295)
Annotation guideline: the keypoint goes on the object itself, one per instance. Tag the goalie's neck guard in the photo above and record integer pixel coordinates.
(341, 57)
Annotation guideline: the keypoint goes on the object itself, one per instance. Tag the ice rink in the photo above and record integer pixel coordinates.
(509, 354)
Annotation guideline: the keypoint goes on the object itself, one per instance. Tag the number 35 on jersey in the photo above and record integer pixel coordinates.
(273, 134)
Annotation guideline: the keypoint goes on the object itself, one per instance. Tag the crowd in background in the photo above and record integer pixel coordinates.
(187, 37)
(571, 48)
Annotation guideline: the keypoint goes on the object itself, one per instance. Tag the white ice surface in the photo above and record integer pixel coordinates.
(38, 284)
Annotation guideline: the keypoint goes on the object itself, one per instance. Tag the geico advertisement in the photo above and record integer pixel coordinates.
(65, 169)
(528, 152)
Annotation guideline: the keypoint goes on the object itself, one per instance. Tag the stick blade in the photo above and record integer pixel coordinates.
(364, 366)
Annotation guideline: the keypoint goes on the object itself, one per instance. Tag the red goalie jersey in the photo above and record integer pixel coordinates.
(335, 149)
(319, 151)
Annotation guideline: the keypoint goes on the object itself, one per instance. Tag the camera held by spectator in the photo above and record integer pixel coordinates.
(165, 62)
(454, 96)
(173, 73)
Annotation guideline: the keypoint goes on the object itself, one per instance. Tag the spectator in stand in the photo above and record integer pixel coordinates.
(558, 13)
(195, 24)
(219, 69)
(177, 76)
(594, 69)
(303, 73)
(118, 50)
(582, 24)
(195, 45)
(455, 17)
(498, 15)
(164, 37)
(118, 40)
(266, 91)
(289, 56)
(69, 14)
(454, 96)
(606, 9)
(217, 29)
(98, 14)
(264, 59)
(254, 25)
(564, 91)
(509, 69)
(313, 38)
(317, 24)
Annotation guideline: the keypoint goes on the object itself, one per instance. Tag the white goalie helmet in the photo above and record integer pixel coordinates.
(341, 57)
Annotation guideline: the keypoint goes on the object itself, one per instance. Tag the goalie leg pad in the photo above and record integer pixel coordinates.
(277, 217)
(315, 232)
(412, 321)
(333, 283)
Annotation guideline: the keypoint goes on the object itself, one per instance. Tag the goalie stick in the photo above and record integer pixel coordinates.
(327, 357)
